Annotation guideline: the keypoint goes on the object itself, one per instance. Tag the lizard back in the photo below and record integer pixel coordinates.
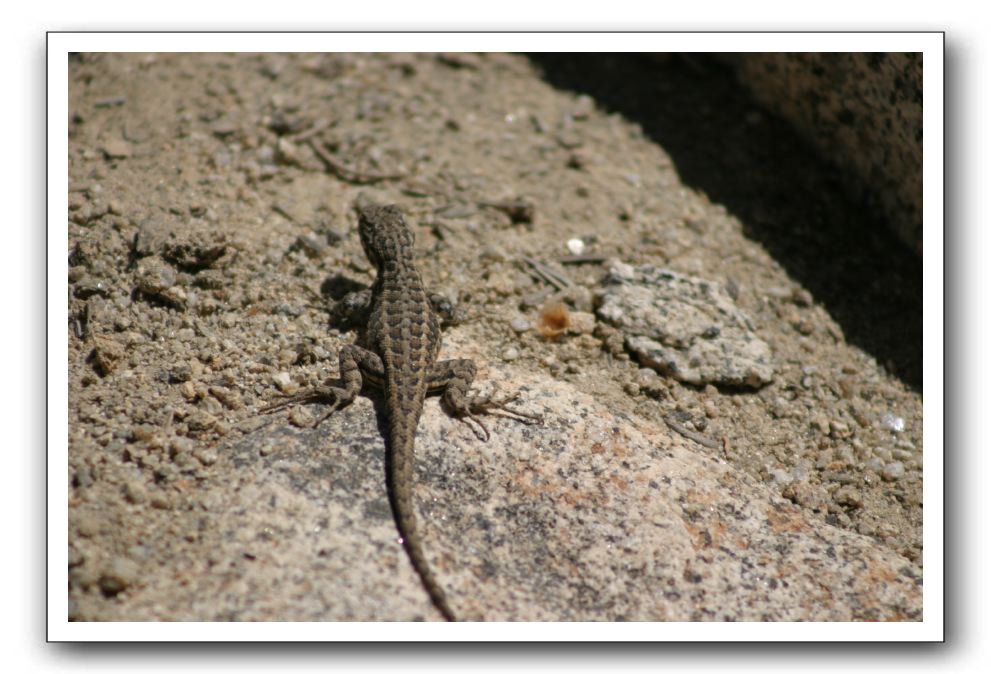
(404, 331)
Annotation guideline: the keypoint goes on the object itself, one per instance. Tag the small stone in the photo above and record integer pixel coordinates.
(901, 454)
(205, 456)
(107, 353)
(519, 324)
(188, 391)
(135, 492)
(287, 152)
(844, 455)
(849, 496)
(311, 245)
(300, 417)
(838, 429)
(893, 423)
(119, 575)
(810, 496)
(876, 464)
(510, 354)
(893, 471)
(155, 276)
(283, 381)
(801, 297)
(224, 126)
(181, 372)
(781, 477)
(820, 423)
(686, 327)
(87, 525)
(116, 149)
(582, 323)
(175, 296)
(85, 287)
(199, 422)
(228, 398)
(159, 501)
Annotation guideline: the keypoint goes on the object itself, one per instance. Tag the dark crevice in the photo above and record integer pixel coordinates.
(787, 198)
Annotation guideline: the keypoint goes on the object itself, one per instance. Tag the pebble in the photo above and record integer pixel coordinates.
(839, 478)
(160, 501)
(510, 354)
(181, 372)
(205, 456)
(135, 492)
(230, 399)
(107, 354)
(188, 391)
(283, 381)
(119, 575)
(781, 477)
(519, 324)
(287, 152)
(844, 454)
(116, 149)
(179, 446)
(893, 471)
(199, 422)
(224, 126)
(87, 286)
(849, 496)
(893, 423)
(155, 276)
(175, 296)
(581, 322)
(576, 246)
(820, 423)
(686, 327)
(311, 245)
(300, 417)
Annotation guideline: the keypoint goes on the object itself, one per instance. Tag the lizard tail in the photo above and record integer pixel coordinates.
(400, 472)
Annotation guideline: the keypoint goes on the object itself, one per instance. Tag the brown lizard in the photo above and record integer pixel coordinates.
(397, 352)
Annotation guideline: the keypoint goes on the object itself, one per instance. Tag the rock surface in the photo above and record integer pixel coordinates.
(685, 327)
(203, 269)
(862, 112)
(586, 517)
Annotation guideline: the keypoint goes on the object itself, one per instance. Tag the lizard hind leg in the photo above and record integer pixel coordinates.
(354, 363)
(454, 378)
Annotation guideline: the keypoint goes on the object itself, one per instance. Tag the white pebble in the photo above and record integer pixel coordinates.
(520, 324)
(892, 423)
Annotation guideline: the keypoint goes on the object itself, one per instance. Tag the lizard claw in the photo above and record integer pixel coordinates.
(486, 404)
(484, 435)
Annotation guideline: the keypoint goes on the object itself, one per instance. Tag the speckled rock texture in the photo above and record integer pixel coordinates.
(207, 247)
(685, 327)
(862, 111)
(587, 516)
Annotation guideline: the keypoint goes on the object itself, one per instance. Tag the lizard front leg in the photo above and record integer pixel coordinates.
(355, 363)
(454, 378)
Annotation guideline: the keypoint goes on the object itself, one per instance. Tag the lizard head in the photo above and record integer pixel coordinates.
(384, 234)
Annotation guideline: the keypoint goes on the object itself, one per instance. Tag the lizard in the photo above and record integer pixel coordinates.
(397, 351)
